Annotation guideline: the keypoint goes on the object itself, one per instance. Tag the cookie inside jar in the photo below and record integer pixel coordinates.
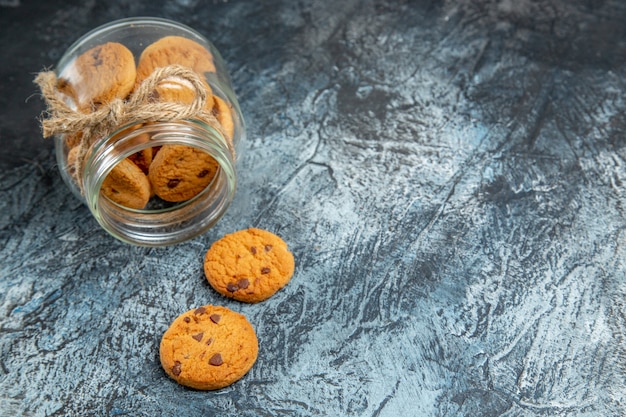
(153, 177)
(166, 168)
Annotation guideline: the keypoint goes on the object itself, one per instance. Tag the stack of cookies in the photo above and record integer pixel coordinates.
(172, 173)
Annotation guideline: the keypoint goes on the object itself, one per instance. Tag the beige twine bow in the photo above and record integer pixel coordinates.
(140, 107)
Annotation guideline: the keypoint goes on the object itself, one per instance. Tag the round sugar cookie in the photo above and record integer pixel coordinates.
(208, 348)
(249, 265)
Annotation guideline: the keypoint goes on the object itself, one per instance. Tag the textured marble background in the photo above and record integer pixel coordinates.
(450, 175)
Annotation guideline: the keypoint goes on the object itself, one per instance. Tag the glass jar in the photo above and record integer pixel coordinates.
(149, 181)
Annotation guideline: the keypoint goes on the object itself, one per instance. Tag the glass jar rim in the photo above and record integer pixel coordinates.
(165, 226)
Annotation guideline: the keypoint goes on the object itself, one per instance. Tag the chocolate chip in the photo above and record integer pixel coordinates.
(232, 287)
(198, 336)
(153, 96)
(186, 319)
(203, 173)
(253, 250)
(215, 318)
(200, 310)
(265, 270)
(176, 368)
(97, 59)
(173, 183)
(268, 248)
(216, 360)
(243, 283)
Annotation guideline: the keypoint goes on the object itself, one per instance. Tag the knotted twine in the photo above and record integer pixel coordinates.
(139, 107)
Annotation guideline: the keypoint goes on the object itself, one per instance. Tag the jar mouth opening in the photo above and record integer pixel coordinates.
(135, 140)
(165, 222)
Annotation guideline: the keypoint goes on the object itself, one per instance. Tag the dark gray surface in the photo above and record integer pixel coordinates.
(449, 175)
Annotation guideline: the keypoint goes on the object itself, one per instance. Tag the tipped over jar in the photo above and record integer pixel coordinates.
(146, 129)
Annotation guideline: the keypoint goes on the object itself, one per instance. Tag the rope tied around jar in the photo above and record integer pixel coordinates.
(139, 107)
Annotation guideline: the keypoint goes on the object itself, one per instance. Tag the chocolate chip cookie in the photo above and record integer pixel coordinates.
(179, 172)
(249, 265)
(208, 348)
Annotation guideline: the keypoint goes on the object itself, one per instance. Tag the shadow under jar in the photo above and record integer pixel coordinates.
(150, 181)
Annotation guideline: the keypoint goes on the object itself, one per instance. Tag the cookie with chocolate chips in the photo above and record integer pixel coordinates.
(179, 172)
(126, 185)
(249, 265)
(98, 76)
(208, 348)
(174, 50)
